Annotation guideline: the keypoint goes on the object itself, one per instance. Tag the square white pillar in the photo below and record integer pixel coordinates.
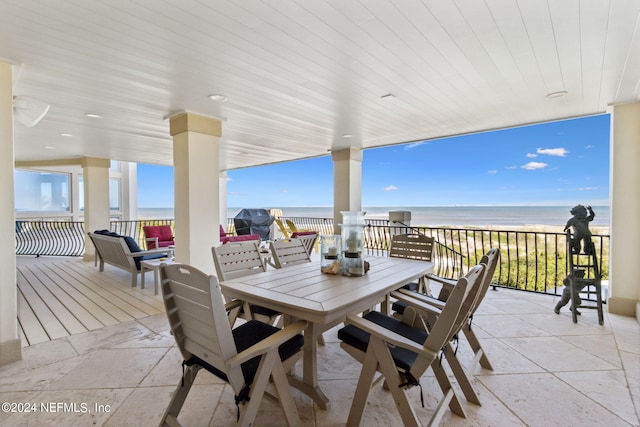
(347, 183)
(95, 174)
(197, 188)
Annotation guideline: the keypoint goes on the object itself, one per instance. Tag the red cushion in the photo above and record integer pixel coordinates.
(165, 234)
(242, 238)
(162, 232)
(222, 232)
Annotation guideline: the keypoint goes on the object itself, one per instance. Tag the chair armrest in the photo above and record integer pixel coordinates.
(404, 295)
(447, 282)
(149, 252)
(447, 286)
(388, 336)
(268, 344)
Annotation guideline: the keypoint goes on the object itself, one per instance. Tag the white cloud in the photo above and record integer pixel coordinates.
(534, 165)
(510, 167)
(560, 152)
(284, 191)
(531, 155)
(390, 188)
(493, 172)
(414, 145)
(587, 188)
(589, 146)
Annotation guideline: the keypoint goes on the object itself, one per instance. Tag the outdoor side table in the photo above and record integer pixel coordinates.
(153, 265)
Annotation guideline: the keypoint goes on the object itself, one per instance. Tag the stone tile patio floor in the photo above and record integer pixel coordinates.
(547, 371)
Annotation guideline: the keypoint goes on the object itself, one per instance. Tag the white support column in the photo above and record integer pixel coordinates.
(77, 214)
(129, 176)
(96, 199)
(197, 188)
(624, 268)
(10, 346)
(223, 198)
(347, 183)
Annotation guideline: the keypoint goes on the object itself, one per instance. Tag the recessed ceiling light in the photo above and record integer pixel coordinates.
(48, 147)
(347, 135)
(93, 115)
(388, 96)
(65, 134)
(557, 94)
(217, 97)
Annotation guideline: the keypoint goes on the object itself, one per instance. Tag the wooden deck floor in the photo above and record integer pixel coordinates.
(65, 297)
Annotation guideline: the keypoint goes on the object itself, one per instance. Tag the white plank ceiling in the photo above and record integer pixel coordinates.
(300, 74)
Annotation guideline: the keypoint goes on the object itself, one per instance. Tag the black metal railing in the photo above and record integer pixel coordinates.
(66, 238)
(377, 241)
(533, 261)
(55, 238)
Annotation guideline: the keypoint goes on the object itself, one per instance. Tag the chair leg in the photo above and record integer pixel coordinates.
(269, 364)
(170, 417)
(360, 397)
(392, 378)
(285, 398)
(477, 349)
(462, 376)
(447, 390)
(249, 409)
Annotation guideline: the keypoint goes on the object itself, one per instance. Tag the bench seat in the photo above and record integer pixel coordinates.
(122, 252)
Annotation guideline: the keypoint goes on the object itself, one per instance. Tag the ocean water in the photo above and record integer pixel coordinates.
(475, 216)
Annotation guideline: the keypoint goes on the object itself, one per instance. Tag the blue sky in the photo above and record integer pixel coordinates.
(559, 163)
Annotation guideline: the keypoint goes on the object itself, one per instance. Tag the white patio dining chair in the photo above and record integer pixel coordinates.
(288, 252)
(491, 260)
(412, 246)
(309, 239)
(428, 317)
(248, 358)
(239, 259)
(402, 353)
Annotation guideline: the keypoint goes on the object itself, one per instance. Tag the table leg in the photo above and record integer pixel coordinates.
(143, 269)
(156, 279)
(308, 384)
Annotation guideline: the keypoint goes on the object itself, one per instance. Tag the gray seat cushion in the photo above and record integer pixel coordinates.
(403, 358)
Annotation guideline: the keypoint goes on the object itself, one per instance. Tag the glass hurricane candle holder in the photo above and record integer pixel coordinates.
(352, 229)
(331, 254)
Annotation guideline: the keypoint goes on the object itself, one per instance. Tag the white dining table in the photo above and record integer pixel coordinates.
(324, 300)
